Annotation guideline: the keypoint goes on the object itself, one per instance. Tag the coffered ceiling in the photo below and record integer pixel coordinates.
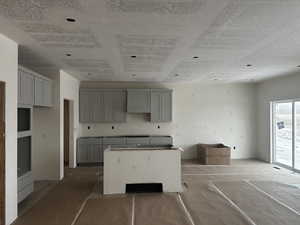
(156, 40)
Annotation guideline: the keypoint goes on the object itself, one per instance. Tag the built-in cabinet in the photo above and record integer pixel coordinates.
(33, 89)
(138, 100)
(24, 148)
(42, 92)
(25, 87)
(161, 105)
(111, 105)
(102, 105)
(90, 149)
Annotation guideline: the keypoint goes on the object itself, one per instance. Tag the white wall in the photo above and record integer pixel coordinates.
(202, 113)
(8, 74)
(69, 89)
(45, 139)
(281, 88)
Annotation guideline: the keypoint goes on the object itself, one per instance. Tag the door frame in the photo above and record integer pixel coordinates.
(3, 154)
(273, 134)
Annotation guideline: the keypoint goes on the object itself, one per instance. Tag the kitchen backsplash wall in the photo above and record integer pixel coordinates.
(201, 114)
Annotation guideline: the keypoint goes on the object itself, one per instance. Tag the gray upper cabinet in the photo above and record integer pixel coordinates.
(161, 105)
(47, 92)
(25, 88)
(102, 105)
(33, 89)
(42, 92)
(138, 100)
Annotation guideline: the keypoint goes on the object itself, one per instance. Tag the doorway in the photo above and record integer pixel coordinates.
(2, 153)
(286, 133)
(66, 132)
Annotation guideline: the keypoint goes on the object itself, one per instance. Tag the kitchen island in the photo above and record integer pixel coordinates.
(149, 165)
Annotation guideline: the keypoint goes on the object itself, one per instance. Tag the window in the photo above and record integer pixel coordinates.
(286, 133)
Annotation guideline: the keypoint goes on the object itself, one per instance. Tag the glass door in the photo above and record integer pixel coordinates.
(283, 133)
(297, 136)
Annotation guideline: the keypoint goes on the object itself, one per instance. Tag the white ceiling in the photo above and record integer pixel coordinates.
(164, 35)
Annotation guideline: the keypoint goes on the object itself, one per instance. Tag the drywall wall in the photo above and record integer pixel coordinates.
(45, 136)
(202, 113)
(8, 74)
(281, 88)
(69, 89)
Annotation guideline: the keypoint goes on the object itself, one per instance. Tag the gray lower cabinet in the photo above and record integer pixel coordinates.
(161, 141)
(102, 105)
(25, 186)
(138, 100)
(25, 88)
(161, 105)
(89, 150)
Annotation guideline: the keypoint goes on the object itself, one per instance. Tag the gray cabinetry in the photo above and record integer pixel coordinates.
(33, 89)
(161, 105)
(138, 100)
(102, 105)
(25, 88)
(42, 92)
(161, 141)
(114, 106)
(89, 150)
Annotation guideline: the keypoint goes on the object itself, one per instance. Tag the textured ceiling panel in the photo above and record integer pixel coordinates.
(157, 40)
(150, 52)
(34, 10)
(178, 7)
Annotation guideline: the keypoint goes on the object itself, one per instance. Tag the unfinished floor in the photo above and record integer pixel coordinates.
(247, 192)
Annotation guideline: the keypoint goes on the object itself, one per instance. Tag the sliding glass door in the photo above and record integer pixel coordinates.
(286, 133)
(297, 136)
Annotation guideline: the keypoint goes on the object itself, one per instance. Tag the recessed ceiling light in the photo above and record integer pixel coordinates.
(249, 65)
(195, 57)
(71, 20)
(133, 56)
(68, 54)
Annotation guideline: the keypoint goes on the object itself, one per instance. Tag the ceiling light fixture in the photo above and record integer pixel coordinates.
(195, 57)
(68, 54)
(249, 65)
(133, 56)
(71, 20)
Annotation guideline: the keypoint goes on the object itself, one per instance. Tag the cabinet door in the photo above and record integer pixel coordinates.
(26, 88)
(82, 156)
(114, 106)
(87, 106)
(138, 100)
(47, 91)
(119, 106)
(98, 107)
(38, 91)
(161, 106)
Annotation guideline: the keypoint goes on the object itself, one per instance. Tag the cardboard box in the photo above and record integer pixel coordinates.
(214, 154)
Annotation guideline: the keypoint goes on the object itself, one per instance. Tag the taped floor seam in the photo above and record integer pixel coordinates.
(81, 209)
(273, 198)
(186, 210)
(235, 206)
(132, 210)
